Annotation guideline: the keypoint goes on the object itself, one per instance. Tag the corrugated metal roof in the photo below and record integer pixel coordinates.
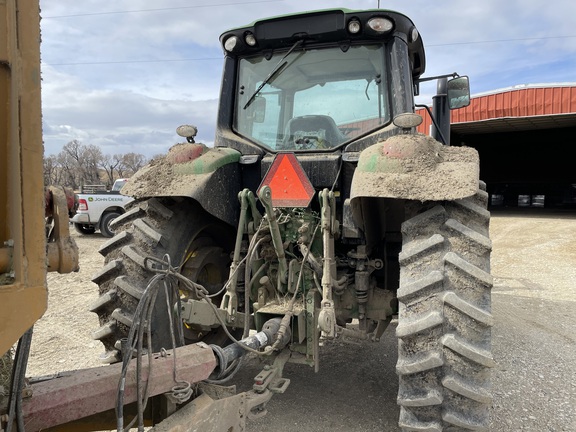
(524, 86)
(525, 107)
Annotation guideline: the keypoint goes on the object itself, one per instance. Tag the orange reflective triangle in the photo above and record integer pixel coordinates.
(288, 182)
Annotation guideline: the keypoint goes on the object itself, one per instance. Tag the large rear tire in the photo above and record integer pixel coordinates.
(155, 227)
(444, 323)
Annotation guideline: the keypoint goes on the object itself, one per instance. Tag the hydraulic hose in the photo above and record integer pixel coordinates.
(233, 352)
(18, 376)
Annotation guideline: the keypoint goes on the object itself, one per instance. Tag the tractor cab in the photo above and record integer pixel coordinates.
(317, 82)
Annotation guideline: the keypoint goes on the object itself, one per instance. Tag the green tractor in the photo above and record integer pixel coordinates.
(321, 206)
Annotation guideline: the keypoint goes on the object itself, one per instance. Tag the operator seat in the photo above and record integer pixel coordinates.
(312, 132)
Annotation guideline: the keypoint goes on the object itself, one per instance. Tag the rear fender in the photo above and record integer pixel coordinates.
(210, 176)
(416, 167)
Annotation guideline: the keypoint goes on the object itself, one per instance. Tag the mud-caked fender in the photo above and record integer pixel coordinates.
(416, 167)
(210, 176)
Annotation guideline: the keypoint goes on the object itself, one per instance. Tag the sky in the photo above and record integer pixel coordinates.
(124, 75)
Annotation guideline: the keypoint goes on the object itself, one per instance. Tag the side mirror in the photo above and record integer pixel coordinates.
(458, 90)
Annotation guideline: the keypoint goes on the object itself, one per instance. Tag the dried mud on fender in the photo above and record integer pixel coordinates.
(416, 167)
(158, 176)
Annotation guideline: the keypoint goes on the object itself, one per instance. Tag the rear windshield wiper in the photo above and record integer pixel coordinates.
(277, 69)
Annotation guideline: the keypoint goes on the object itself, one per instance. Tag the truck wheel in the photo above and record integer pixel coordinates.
(105, 222)
(84, 228)
(444, 322)
(196, 242)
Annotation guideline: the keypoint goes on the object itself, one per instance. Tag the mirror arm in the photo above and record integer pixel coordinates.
(453, 75)
(436, 125)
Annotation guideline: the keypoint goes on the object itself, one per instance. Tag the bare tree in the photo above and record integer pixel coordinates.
(120, 167)
(110, 164)
(133, 162)
(52, 171)
(79, 164)
(68, 164)
(91, 162)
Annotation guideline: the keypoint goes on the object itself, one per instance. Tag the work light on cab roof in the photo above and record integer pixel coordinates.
(250, 39)
(380, 25)
(231, 43)
(374, 25)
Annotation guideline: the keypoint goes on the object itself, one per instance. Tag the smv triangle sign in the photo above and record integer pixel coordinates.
(288, 182)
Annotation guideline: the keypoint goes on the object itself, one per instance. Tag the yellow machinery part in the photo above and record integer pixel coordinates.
(23, 263)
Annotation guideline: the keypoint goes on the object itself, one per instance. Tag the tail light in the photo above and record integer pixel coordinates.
(82, 204)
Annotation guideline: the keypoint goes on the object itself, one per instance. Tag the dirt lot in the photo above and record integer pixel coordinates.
(534, 341)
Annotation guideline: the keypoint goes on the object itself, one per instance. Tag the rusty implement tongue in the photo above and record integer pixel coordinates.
(288, 182)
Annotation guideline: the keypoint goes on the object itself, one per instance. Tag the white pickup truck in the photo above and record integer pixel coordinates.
(97, 207)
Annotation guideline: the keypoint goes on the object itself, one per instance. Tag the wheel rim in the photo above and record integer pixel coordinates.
(108, 223)
(207, 265)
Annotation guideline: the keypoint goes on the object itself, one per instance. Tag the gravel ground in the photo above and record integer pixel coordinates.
(534, 305)
(534, 341)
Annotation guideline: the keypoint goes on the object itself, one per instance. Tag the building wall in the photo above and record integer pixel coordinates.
(516, 102)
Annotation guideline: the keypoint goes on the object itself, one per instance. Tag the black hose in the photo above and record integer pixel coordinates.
(231, 357)
(17, 383)
(143, 314)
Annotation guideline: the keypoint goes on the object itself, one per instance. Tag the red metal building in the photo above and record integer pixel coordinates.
(524, 136)
(523, 107)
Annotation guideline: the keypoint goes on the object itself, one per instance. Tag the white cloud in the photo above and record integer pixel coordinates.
(171, 60)
(118, 121)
